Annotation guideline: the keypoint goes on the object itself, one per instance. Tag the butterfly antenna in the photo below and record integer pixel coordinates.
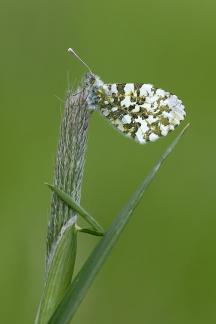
(72, 52)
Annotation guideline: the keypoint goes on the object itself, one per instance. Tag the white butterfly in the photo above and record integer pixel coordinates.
(139, 111)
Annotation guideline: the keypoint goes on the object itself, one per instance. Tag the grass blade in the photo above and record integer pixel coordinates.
(75, 206)
(80, 285)
(90, 231)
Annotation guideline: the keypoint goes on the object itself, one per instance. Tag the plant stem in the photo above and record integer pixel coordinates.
(68, 176)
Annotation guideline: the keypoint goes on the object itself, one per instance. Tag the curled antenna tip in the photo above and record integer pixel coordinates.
(71, 51)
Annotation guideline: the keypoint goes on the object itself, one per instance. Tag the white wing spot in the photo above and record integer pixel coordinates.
(114, 88)
(143, 124)
(105, 112)
(127, 102)
(126, 119)
(139, 136)
(105, 88)
(151, 119)
(119, 125)
(160, 92)
(164, 129)
(146, 90)
(136, 109)
(153, 137)
(129, 87)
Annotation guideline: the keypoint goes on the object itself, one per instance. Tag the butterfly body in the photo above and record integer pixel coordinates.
(139, 111)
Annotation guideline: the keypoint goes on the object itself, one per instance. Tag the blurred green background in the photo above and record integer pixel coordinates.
(163, 268)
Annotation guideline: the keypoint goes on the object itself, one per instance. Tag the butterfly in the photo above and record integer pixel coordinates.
(137, 110)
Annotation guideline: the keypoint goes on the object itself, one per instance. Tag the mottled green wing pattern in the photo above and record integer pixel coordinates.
(140, 111)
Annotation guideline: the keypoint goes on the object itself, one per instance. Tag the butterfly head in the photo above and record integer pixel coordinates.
(92, 80)
(93, 84)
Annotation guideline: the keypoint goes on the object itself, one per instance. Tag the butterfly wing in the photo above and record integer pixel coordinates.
(140, 111)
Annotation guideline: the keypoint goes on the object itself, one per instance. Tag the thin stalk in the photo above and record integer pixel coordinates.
(61, 237)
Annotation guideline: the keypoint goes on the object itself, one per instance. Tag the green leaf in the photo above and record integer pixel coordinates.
(80, 285)
(89, 231)
(75, 206)
(59, 272)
